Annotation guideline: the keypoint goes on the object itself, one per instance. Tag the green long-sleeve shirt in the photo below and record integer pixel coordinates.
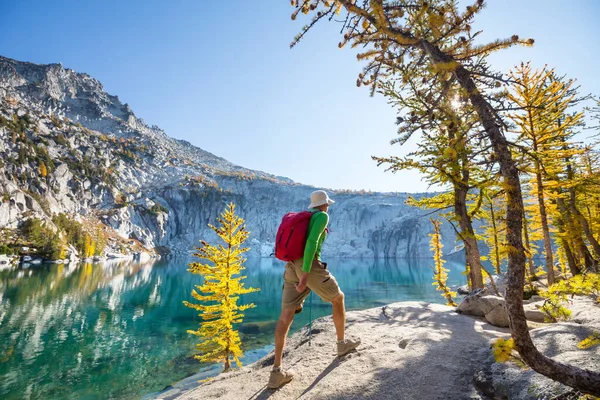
(316, 236)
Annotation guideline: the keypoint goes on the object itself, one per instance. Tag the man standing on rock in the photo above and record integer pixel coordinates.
(300, 277)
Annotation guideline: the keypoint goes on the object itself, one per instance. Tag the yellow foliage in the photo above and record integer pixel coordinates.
(43, 170)
(589, 342)
(581, 285)
(545, 126)
(555, 311)
(558, 293)
(440, 274)
(220, 291)
(445, 67)
(503, 349)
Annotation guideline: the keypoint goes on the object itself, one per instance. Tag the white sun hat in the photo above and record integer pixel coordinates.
(318, 198)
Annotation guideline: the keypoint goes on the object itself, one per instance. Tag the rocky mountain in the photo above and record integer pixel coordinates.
(68, 146)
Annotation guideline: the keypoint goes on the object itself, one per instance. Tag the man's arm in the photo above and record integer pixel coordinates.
(321, 221)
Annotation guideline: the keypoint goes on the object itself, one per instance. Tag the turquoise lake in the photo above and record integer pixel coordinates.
(119, 330)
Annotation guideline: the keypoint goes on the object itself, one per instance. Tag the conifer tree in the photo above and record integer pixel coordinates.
(405, 36)
(440, 274)
(220, 291)
(87, 245)
(493, 229)
(543, 101)
(445, 152)
(100, 240)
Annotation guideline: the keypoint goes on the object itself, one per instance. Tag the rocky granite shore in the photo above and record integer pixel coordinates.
(411, 350)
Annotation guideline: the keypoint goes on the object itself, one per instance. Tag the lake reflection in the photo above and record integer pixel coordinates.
(118, 330)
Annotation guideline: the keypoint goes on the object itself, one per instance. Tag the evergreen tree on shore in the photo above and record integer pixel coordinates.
(220, 291)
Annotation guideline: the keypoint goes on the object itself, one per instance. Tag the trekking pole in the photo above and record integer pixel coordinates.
(310, 319)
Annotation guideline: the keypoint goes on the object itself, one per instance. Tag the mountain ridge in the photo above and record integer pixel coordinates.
(105, 162)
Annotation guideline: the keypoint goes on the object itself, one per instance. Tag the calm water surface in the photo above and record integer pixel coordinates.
(118, 330)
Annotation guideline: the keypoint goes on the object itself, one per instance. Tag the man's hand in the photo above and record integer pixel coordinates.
(301, 286)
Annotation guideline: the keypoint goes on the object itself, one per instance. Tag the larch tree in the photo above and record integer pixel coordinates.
(569, 193)
(542, 102)
(440, 274)
(444, 155)
(590, 187)
(411, 34)
(100, 239)
(220, 291)
(572, 185)
(493, 228)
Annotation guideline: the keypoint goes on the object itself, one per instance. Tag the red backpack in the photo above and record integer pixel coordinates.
(291, 235)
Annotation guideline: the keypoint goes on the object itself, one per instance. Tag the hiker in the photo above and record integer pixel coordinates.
(303, 275)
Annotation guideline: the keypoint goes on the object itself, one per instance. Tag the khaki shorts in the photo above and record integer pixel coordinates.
(319, 280)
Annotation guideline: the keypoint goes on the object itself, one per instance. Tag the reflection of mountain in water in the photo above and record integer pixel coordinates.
(120, 329)
(62, 327)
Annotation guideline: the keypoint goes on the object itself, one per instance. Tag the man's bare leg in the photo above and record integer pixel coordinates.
(339, 316)
(344, 346)
(281, 331)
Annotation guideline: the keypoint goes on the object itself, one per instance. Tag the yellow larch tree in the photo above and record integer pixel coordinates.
(440, 274)
(220, 291)
(493, 227)
(445, 153)
(543, 102)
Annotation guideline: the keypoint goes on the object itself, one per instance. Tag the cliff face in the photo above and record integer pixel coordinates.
(68, 146)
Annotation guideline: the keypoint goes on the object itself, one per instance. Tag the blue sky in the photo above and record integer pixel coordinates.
(220, 74)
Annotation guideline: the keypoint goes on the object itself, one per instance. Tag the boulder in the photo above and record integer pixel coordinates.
(533, 299)
(498, 316)
(585, 311)
(464, 289)
(479, 303)
(499, 281)
(491, 307)
(471, 304)
(533, 313)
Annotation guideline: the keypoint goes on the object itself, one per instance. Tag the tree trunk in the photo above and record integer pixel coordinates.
(586, 230)
(467, 235)
(574, 233)
(573, 266)
(227, 366)
(589, 262)
(495, 228)
(528, 248)
(545, 227)
(460, 182)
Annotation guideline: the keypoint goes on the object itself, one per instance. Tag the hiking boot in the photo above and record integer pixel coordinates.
(279, 378)
(347, 346)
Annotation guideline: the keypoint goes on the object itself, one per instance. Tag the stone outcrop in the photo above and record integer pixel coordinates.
(410, 350)
(558, 341)
(492, 308)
